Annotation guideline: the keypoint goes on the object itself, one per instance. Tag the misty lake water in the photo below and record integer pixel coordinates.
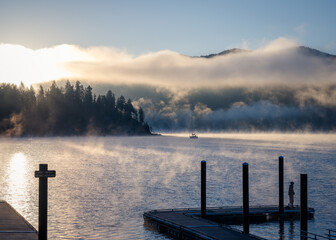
(104, 184)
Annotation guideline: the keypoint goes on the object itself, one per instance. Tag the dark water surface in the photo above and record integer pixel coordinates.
(104, 184)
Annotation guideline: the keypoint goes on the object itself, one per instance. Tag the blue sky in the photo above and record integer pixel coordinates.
(188, 27)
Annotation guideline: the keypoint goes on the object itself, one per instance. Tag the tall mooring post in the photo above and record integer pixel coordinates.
(43, 175)
(281, 187)
(203, 188)
(245, 199)
(303, 206)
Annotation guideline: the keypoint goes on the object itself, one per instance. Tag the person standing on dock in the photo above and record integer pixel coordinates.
(291, 194)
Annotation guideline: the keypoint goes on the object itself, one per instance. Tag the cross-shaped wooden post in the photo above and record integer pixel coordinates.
(43, 175)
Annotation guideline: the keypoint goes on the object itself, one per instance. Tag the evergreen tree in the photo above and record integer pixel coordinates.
(110, 99)
(129, 109)
(141, 116)
(121, 103)
(88, 99)
(40, 95)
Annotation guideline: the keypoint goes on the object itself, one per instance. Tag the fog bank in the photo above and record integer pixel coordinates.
(279, 86)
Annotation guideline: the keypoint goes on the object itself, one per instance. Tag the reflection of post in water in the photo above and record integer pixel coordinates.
(281, 229)
(291, 230)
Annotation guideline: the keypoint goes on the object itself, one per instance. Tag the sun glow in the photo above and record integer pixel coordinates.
(21, 64)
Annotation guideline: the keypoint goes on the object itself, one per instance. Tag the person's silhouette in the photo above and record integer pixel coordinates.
(291, 194)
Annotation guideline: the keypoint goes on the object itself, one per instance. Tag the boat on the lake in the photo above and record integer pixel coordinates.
(193, 135)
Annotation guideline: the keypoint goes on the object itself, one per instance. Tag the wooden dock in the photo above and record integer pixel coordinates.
(13, 226)
(257, 214)
(187, 223)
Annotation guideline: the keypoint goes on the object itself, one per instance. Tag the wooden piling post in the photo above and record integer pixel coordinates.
(203, 188)
(245, 199)
(281, 187)
(303, 206)
(43, 175)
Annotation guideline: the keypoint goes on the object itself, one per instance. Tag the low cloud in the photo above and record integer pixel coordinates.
(279, 62)
(278, 108)
(277, 86)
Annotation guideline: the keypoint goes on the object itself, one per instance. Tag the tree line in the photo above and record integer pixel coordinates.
(66, 111)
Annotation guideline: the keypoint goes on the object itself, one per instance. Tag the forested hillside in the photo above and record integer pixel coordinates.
(67, 111)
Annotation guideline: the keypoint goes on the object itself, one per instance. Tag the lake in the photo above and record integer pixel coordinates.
(104, 184)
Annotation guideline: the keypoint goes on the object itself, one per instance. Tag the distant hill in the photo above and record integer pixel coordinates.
(309, 52)
(226, 52)
(314, 53)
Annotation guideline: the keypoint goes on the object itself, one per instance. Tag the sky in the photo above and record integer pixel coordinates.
(146, 42)
(189, 27)
(146, 46)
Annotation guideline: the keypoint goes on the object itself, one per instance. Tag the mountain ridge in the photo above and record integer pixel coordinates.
(301, 49)
(225, 52)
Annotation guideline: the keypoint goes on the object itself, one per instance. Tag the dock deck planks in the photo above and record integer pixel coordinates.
(179, 224)
(13, 226)
(187, 223)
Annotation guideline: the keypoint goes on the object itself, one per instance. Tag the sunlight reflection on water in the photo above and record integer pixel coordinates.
(104, 184)
(17, 176)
